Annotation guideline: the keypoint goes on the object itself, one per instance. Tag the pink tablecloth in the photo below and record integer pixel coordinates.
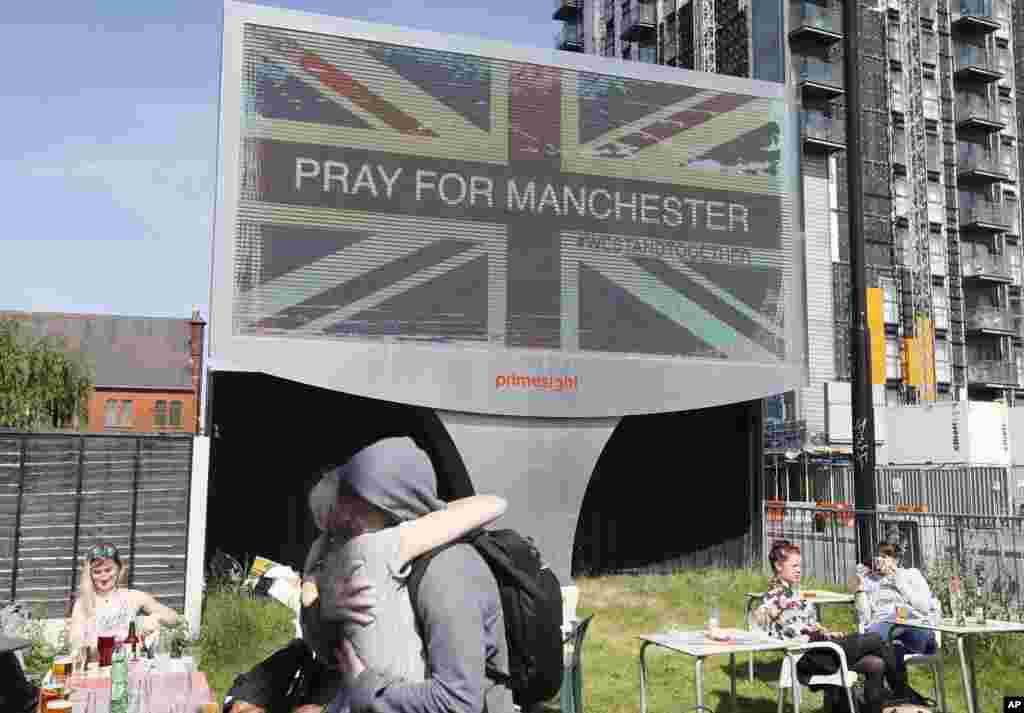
(167, 690)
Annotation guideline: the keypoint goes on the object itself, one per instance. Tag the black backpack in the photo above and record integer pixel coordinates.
(531, 602)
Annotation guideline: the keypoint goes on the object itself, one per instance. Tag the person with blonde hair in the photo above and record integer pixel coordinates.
(104, 607)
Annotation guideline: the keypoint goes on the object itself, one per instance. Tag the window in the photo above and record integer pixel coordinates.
(125, 421)
(160, 414)
(892, 302)
(892, 358)
(942, 361)
(900, 190)
(897, 91)
(1013, 253)
(940, 307)
(934, 202)
(937, 251)
(175, 413)
(899, 145)
(110, 413)
(931, 98)
(1006, 116)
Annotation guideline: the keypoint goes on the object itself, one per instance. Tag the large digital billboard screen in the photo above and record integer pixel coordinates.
(383, 192)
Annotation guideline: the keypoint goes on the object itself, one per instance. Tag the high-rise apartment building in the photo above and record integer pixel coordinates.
(940, 160)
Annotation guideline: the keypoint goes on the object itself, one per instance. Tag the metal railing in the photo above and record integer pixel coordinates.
(989, 549)
(637, 13)
(983, 212)
(975, 56)
(811, 70)
(977, 110)
(822, 126)
(992, 372)
(569, 37)
(991, 318)
(973, 157)
(975, 8)
(809, 14)
(977, 261)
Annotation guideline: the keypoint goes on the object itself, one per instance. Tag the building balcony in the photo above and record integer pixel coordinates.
(973, 16)
(977, 263)
(978, 114)
(822, 132)
(570, 38)
(639, 22)
(992, 373)
(977, 165)
(567, 9)
(976, 64)
(814, 23)
(820, 78)
(990, 320)
(984, 216)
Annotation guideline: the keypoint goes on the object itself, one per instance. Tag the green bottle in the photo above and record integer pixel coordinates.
(119, 681)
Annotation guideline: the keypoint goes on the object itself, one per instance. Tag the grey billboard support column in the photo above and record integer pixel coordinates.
(541, 466)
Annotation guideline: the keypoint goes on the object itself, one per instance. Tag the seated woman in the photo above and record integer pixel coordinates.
(105, 608)
(784, 614)
(362, 538)
(887, 586)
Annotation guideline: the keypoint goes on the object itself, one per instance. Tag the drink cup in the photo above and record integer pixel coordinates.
(902, 613)
(105, 644)
(61, 668)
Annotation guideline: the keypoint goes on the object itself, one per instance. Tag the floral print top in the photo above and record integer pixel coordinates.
(783, 614)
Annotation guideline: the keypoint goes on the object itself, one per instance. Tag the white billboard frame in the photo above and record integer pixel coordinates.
(465, 378)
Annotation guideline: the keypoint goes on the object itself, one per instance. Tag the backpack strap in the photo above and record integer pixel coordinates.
(412, 583)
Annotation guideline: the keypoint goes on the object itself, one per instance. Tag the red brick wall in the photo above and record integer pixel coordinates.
(143, 406)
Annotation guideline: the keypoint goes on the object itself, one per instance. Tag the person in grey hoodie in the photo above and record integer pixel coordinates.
(458, 606)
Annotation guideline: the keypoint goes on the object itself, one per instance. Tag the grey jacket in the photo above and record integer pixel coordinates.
(459, 610)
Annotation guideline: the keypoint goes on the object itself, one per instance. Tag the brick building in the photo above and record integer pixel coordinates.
(147, 370)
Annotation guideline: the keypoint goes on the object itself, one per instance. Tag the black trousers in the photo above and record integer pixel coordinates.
(856, 647)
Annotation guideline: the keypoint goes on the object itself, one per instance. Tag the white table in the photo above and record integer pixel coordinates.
(965, 639)
(819, 597)
(697, 644)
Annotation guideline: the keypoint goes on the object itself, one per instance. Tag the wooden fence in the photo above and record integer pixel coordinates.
(62, 493)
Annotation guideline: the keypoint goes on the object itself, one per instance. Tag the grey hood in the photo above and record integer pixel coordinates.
(395, 475)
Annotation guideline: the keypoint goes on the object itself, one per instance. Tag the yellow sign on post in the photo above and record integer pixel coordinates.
(876, 332)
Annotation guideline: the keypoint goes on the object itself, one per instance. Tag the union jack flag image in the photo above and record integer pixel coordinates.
(393, 192)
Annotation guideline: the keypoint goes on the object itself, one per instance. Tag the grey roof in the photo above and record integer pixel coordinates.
(129, 352)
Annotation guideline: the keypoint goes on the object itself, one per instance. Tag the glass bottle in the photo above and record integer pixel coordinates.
(119, 680)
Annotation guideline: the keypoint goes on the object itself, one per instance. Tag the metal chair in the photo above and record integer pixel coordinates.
(844, 677)
(571, 694)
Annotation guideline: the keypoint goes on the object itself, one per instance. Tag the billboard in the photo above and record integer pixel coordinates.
(474, 226)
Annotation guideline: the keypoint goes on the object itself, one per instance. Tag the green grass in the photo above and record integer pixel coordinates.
(238, 633)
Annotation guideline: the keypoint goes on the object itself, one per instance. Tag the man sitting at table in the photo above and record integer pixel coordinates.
(886, 587)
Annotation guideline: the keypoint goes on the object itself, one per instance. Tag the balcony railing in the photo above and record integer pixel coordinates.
(975, 15)
(567, 9)
(570, 38)
(977, 261)
(979, 113)
(985, 216)
(814, 22)
(821, 77)
(977, 63)
(990, 319)
(638, 21)
(992, 372)
(823, 130)
(976, 162)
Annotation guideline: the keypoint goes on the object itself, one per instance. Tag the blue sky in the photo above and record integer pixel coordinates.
(108, 153)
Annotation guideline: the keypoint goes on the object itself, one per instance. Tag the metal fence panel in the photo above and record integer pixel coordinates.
(62, 493)
(989, 546)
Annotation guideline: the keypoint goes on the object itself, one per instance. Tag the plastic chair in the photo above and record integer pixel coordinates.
(844, 677)
(571, 694)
